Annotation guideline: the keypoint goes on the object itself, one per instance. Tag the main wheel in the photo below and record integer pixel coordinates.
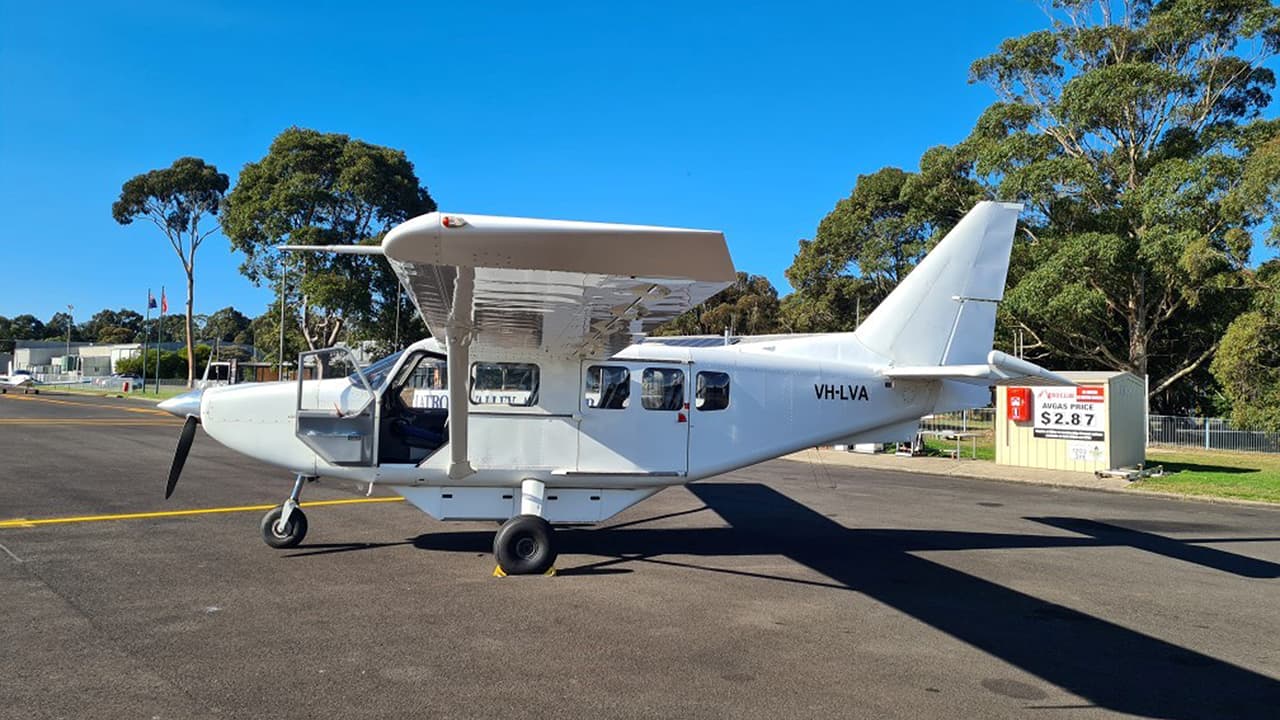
(523, 546)
(293, 532)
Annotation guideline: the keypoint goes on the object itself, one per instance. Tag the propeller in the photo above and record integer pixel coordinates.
(186, 406)
(180, 455)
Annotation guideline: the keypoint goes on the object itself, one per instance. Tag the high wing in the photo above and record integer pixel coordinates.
(561, 287)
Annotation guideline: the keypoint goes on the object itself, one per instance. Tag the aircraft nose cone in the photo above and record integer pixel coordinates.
(184, 405)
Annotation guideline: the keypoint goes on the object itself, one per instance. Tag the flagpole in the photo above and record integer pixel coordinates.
(146, 335)
(159, 339)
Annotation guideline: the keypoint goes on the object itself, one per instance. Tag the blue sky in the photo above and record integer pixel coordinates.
(750, 118)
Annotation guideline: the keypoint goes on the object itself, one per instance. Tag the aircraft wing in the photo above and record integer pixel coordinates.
(1001, 369)
(565, 288)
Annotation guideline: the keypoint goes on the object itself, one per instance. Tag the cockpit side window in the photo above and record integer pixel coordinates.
(376, 373)
(423, 383)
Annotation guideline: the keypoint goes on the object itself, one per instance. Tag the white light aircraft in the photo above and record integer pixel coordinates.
(537, 400)
(19, 380)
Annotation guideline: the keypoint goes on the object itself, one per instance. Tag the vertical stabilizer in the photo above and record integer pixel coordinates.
(944, 312)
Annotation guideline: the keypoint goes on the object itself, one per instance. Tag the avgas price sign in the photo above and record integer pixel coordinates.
(1074, 413)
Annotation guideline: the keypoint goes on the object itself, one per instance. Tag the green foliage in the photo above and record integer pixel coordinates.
(1130, 132)
(873, 238)
(317, 188)
(226, 325)
(264, 334)
(114, 326)
(56, 328)
(1131, 135)
(748, 307)
(176, 199)
(172, 365)
(21, 327)
(1248, 364)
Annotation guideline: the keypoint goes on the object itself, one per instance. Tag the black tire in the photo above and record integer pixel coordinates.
(523, 546)
(294, 532)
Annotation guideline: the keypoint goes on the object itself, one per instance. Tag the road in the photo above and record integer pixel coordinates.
(783, 590)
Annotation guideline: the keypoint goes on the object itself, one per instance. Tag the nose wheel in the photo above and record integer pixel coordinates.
(285, 534)
(285, 525)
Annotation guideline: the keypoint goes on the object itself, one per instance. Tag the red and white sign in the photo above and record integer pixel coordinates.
(1090, 393)
(1069, 413)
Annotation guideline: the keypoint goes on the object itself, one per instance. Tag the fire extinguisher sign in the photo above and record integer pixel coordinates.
(1069, 413)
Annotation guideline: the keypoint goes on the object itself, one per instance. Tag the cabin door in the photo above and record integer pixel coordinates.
(337, 410)
(635, 418)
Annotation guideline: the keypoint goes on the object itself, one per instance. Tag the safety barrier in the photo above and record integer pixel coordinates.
(978, 420)
(1180, 431)
(1208, 433)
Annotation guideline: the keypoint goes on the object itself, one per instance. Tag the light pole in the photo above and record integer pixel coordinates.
(70, 318)
(280, 356)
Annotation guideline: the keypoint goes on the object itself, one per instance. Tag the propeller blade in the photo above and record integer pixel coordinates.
(180, 455)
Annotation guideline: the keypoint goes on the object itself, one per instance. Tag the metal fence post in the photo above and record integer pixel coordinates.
(1206, 433)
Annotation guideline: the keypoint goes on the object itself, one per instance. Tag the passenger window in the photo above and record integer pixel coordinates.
(662, 389)
(514, 384)
(713, 391)
(608, 387)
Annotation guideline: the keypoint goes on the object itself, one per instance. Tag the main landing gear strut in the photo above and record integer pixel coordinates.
(285, 525)
(524, 544)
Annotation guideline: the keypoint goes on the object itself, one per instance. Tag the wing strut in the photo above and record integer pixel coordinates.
(458, 336)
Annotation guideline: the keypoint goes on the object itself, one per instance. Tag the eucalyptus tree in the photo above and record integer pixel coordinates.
(177, 200)
(871, 239)
(1248, 365)
(1131, 131)
(747, 307)
(316, 188)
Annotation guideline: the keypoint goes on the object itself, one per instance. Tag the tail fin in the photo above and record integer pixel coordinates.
(944, 312)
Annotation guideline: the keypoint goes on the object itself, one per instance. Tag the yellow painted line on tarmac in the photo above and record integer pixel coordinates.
(30, 523)
(99, 406)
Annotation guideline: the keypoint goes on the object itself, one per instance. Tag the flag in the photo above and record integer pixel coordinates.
(164, 302)
(151, 301)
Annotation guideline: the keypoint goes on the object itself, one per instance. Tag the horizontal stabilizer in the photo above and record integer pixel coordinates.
(1001, 369)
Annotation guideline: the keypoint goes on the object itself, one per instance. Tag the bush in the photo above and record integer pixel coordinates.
(172, 364)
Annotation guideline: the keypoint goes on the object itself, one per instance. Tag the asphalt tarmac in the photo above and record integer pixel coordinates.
(786, 590)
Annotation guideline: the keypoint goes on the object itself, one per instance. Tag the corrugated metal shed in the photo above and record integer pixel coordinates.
(1098, 425)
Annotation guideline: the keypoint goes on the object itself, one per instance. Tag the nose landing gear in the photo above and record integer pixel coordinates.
(285, 525)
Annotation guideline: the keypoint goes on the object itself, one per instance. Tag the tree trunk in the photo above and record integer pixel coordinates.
(191, 348)
(1138, 330)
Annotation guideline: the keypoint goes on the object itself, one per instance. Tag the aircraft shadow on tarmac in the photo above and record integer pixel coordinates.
(1109, 665)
